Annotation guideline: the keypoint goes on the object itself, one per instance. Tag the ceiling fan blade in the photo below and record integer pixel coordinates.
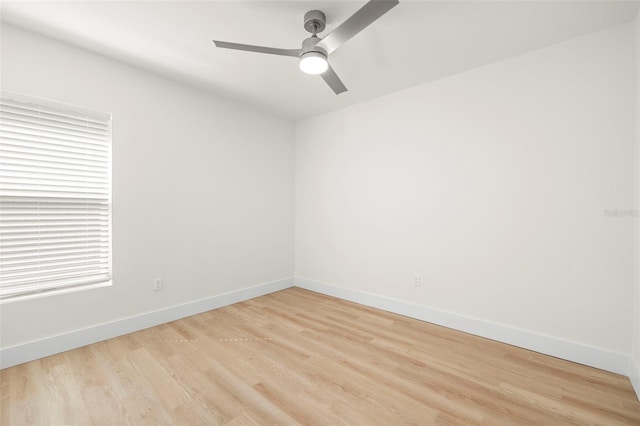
(259, 49)
(332, 79)
(356, 23)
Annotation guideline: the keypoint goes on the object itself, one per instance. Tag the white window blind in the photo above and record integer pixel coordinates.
(55, 196)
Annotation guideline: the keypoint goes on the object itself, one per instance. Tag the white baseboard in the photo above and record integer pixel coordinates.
(549, 345)
(634, 375)
(55, 344)
(577, 352)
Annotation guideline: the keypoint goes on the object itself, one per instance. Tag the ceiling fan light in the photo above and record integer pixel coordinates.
(313, 63)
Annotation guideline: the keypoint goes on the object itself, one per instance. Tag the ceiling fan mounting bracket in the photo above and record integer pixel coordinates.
(314, 21)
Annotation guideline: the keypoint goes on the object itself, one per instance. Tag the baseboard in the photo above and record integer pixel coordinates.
(634, 375)
(549, 345)
(577, 352)
(55, 344)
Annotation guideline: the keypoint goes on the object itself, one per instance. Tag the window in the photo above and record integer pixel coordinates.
(55, 197)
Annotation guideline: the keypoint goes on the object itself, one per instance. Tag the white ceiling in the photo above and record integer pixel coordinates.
(416, 42)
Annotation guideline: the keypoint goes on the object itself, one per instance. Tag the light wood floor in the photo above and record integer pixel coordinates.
(297, 357)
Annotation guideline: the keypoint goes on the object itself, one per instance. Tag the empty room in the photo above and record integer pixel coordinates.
(320, 212)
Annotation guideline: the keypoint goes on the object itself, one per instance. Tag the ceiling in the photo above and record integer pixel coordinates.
(416, 42)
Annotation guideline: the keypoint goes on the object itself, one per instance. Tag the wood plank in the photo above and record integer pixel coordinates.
(298, 357)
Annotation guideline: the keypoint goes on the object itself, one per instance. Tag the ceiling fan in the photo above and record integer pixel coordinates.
(315, 51)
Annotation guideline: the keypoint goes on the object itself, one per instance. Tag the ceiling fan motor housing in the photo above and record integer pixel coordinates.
(310, 45)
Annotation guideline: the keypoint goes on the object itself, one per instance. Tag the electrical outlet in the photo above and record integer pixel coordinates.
(416, 280)
(158, 284)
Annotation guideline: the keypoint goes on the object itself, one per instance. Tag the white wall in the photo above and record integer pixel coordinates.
(491, 184)
(202, 188)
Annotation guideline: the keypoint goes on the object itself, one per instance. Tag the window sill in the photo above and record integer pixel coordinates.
(56, 292)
